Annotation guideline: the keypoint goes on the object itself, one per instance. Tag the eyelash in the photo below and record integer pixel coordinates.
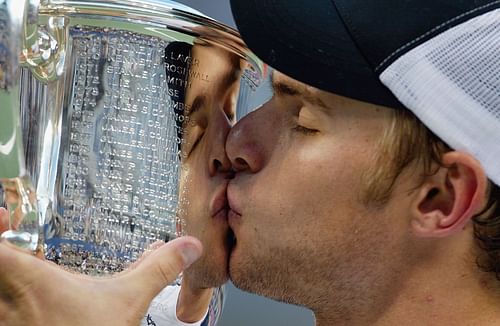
(304, 130)
(195, 144)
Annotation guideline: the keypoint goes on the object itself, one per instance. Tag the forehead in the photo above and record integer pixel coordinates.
(325, 100)
(279, 78)
(284, 85)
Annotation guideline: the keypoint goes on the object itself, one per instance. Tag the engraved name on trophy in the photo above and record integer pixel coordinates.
(103, 99)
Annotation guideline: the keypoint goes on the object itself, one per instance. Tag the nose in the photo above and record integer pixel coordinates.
(218, 161)
(245, 144)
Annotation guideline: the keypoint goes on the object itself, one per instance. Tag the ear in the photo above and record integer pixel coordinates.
(447, 200)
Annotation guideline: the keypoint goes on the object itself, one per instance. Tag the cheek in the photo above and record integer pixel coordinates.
(194, 177)
(194, 196)
(321, 175)
(308, 189)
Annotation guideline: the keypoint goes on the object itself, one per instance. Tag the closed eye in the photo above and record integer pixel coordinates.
(197, 141)
(305, 130)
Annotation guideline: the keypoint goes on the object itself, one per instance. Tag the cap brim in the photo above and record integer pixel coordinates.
(310, 43)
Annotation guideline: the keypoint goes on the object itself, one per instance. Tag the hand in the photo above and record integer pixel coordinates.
(192, 303)
(35, 292)
(4, 220)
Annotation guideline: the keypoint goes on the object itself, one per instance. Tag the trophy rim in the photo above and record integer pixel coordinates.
(160, 14)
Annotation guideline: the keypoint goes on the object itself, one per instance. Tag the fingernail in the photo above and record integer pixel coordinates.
(190, 253)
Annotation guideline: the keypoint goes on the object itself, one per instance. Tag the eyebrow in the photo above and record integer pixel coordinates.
(200, 100)
(198, 103)
(230, 78)
(281, 88)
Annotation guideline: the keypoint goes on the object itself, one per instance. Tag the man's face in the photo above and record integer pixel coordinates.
(206, 168)
(302, 232)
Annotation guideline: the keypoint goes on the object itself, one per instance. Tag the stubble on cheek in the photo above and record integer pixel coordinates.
(278, 273)
(208, 272)
(321, 269)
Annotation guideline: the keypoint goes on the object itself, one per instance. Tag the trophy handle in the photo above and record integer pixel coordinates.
(19, 197)
(13, 15)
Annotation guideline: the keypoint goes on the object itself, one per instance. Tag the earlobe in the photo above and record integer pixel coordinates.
(448, 199)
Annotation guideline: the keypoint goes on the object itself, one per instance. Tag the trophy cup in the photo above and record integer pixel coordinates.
(102, 95)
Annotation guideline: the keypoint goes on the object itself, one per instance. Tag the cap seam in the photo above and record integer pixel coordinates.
(349, 26)
(433, 30)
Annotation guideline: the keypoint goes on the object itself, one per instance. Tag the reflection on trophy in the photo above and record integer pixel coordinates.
(104, 95)
(108, 98)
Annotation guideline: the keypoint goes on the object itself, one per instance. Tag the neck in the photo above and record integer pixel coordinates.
(442, 287)
(458, 300)
(192, 303)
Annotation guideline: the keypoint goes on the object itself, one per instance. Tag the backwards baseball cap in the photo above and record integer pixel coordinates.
(438, 58)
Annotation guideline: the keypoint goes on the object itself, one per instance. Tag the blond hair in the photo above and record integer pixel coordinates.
(406, 143)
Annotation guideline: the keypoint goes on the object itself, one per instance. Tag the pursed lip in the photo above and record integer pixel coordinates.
(234, 209)
(233, 218)
(219, 204)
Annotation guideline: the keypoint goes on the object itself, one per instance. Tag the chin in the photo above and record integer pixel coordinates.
(238, 271)
(254, 274)
(209, 271)
(240, 280)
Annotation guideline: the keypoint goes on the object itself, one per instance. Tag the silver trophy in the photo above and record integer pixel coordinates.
(102, 95)
(101, 106)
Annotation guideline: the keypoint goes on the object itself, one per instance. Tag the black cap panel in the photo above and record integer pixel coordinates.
(309, 42)
(439, 56)
(382, 27)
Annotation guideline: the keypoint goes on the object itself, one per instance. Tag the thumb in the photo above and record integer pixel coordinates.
(161, 267)
(4, 220)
